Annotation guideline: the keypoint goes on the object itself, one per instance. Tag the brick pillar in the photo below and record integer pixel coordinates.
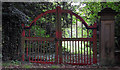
(107, 36)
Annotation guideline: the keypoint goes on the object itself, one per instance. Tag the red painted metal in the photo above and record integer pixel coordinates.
(49, 52)
(78, 17)
(79, 63)
(87, 45)
(39, 16)
(44, 62)
(40, 38)
(57, 34)
(71, 25)
(77, 39)
(41, 52)
(76, 30)
(64, 53)
(75, 59)
(56, 56)
(23, 57)
(73, 50)
(75, 53)
(38, 50)
(67, 50)
(78, 53)
(84, 52)
(95, 44)
(29, 32)
(35, 51)
(44, 50)
(32, 51)
(81, 53)
(23, 25)
(70, 51)
(87, 52)
(27, 51)
(90, 52)
(23, 33)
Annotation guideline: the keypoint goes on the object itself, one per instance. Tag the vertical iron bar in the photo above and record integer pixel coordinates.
(81, 45)
(73, 50)
(67, 52)
(71, 26)
(81, 53)
(35, 50)
(78, 53)
(76, 29)
(52, 52)
(56, 52)
(63, 24)
(41, 51)
(40, 25)
(94, 46)
(23, 52)
(82, 30)
(75, 53)
(29, 50)
(64, 53)
(29, 32)
(87, 52)
(90, 52)
(70, 51)
(59, 33)
(87, 45)
(76, 37)
(84, 52)
(38, 50)
(46, 49)
(49, 50)
(32, 50)
(45, 26)
(27, 47)
(51, 23)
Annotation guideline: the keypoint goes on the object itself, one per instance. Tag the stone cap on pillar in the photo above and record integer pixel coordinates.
(107, 11)
(107, 14)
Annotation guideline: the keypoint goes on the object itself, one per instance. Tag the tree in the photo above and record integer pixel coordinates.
(14, 14)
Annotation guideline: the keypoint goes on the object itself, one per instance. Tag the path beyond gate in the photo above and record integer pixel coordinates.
(59, 36)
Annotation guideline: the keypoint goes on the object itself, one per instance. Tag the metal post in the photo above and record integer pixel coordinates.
(58, 35)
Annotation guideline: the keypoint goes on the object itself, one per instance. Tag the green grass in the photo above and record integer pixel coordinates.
(26, 66)
(6, 64)
(11, 63)
(16, 63)
(54, 66)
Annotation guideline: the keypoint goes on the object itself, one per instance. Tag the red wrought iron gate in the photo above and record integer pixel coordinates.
(65, 41)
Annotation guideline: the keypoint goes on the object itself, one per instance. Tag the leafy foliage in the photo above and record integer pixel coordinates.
(11, 35)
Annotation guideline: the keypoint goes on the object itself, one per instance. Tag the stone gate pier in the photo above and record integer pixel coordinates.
(107, 39)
